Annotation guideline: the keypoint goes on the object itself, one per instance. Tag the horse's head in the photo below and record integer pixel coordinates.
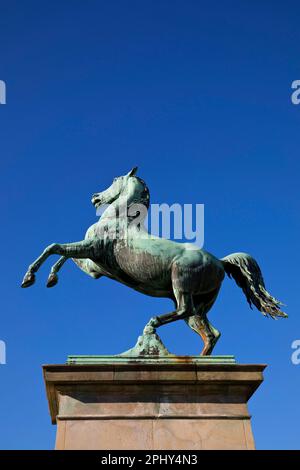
(118, 187)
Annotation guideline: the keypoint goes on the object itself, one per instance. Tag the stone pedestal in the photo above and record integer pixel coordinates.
(173, 403)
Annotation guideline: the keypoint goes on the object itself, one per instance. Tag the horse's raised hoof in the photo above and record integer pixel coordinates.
(52, 280)
(28, 280)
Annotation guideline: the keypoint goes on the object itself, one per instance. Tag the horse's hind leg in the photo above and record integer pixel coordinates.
(209, 334)
(183, 297)
(185, 308)
(200, 324)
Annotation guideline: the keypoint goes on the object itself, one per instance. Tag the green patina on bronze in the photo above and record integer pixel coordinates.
(154, 266)
(170, 359)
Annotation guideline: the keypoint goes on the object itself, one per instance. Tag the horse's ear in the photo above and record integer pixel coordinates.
(132, 171)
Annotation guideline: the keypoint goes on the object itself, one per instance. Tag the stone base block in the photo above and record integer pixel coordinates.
(128, 404)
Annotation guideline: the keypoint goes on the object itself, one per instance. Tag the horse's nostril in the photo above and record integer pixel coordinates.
(95, 199)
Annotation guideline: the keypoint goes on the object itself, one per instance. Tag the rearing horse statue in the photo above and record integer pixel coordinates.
(120, 248)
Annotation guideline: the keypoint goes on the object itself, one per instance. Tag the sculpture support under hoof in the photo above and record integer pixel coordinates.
(148, 344)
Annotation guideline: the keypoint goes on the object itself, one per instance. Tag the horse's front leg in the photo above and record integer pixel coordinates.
(53, 278)
(82, 249)
(84, 264)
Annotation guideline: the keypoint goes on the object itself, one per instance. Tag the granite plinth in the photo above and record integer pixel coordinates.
(171, 403)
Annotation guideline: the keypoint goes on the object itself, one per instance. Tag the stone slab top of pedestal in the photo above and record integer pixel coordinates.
(146, 377)
(169, 359)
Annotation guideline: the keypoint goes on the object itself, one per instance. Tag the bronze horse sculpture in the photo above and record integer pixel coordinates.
(118, 246)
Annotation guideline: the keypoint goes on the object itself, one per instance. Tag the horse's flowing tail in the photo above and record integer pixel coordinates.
(247, 274)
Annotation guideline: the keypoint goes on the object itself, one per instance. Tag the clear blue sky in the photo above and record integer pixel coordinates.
(197, 94)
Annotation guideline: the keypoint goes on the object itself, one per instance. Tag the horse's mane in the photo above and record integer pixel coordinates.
(145, 195)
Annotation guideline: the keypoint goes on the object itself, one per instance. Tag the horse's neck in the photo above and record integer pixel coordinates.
(126, 207)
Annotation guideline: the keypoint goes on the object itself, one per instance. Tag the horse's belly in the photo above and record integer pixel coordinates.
(155, 291)
(145, 268)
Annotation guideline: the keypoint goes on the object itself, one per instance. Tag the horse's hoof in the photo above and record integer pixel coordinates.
(150, 328)
(205, 353)
(52, 280)
(28, 280)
